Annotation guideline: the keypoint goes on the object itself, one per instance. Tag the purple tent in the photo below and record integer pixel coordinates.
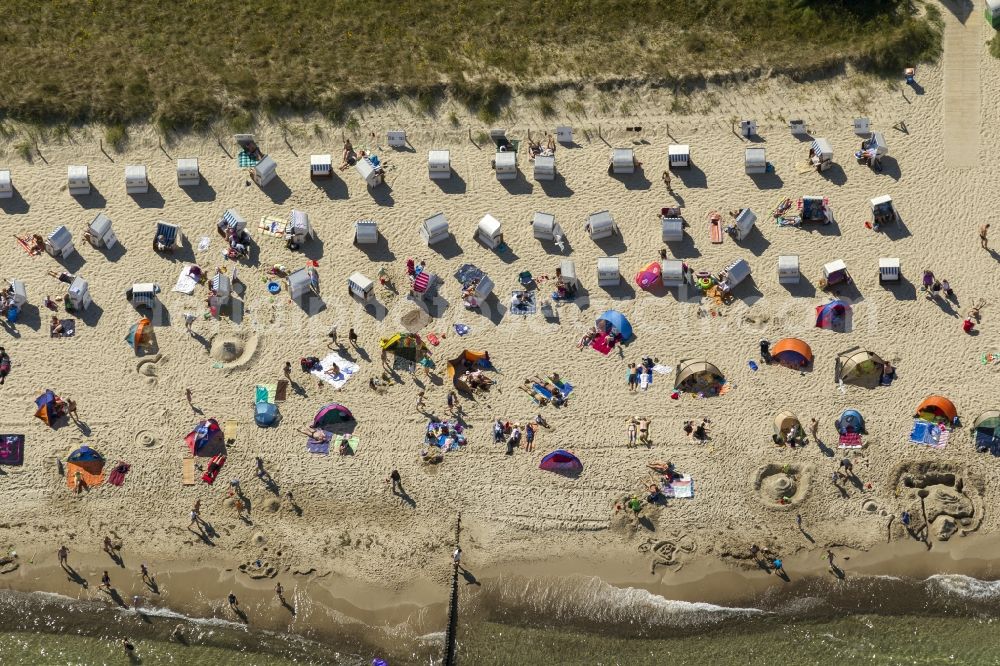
(835, 315)
(332, 413)
(561, 460)
(202, 434)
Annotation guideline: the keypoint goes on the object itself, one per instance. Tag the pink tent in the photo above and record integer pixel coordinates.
(648, 276)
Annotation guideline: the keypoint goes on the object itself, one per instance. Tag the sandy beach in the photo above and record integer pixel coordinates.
(356, 552)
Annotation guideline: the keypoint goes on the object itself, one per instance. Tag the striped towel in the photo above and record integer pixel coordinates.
(850, 440)
(245, 161)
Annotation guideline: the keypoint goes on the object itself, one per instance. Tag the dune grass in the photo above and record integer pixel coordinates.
(191, 62)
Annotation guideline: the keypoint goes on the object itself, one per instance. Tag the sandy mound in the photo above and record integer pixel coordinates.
(781, 486)
(146, 439)
(232, 350)
(950, 497)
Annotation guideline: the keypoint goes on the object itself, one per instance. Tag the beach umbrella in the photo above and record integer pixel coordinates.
(612, 319)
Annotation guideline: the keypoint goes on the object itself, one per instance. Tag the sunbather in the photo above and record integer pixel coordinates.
(55, 327)
(315, 436)
(631, 430)
(644, 431)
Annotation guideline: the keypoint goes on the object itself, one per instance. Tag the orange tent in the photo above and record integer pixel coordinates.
(456, 367)
(792, 352)
(939, 407)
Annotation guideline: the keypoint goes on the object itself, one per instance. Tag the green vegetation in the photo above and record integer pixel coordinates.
(995, 45)
(116, 136)
(190, 63)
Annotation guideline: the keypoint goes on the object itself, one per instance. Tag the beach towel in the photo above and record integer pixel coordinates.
(349, 442)
(461, 329)
(214, 467)
(662, 369)
(925, 433)
(93, 476)
(281, 392)
(246, 160)
(850, 440)
(11, 449)
(272, 226)
(680, 488)
(185, 283)
(264, 392)
(522, 307)
(985, 441)
(69, 328)
(400, 364)
(645, 380)
(564, 386)
(347, 370)
(229, 432)
(715, 228)
(542, 391)
(603, 344)
(117, 476)
(320, 448)
(187, 472)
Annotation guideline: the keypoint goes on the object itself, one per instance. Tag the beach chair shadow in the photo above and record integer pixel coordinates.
(15, 205)
(202, 192)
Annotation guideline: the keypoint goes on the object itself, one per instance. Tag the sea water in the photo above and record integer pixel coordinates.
(946, 619)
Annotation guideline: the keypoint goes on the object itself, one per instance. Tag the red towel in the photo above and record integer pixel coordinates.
(117, 476)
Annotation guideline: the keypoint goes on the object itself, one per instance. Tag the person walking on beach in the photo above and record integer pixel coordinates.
(333, 336)
(189, 397)
(755, 552)
(234, 604)
(983, 241)
(848, 468)
(456, 558)
(106, 582)
(814, 428)
(195, 516)
(279, 592)
(778, 566)
(452, 402)
(666, 181)
(420, 401)
(144, 572)
(829, 561)
(188, 322)
(396, 480)
(71, 410)
(63, 554)
(352, 337)
(287, 371)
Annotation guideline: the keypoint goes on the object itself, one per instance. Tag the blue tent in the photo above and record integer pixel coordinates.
(850, 421)
(612, 319)
(85, 454)
(265, 414)
(835, 315)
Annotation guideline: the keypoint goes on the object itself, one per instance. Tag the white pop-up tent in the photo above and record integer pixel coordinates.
(821, 154)
(264, 172)
(743, 224)
(434, 229)
(19, 292)
(77, 179)
(320, 166)
(489, 232)
(788, 269)
(608, 272)
(623, 160)
(299, 229)
(6, 186)
(60, 243)
(365, 232)
(370, 173)
(671, 228)
(136, 181)
(439, 164)
(79, 294)
(755, 160)
(545, 167)
(601, 225)
(99, 233)
(396, 138)
(505, 165)
(188, 173)
(544, 227)
(673, 273)
(679, 155)
(360, 287)
(302, 282)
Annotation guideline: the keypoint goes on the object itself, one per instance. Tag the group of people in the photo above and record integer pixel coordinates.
(565, 288)
(535, 149)
(238, 241)
(8, 304)
(641, 374)
(638, 431)
(510, 433)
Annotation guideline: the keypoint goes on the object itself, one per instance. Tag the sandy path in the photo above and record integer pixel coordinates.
(962, 46)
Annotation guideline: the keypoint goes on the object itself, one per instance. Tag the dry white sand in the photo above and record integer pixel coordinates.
(351, 524)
